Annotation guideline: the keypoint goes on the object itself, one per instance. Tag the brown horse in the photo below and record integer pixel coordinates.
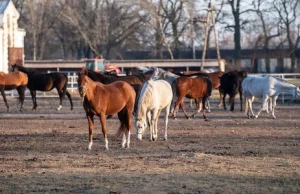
(136, 81)
(45, 82)
(193, 88)
(214, 78)
(101, 100)
(14, 80)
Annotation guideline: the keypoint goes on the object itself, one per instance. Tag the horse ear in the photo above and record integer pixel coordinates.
(85, 72)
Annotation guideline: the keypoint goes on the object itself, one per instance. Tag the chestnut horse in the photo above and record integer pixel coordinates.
(45, 82)
(101, 100)
(136, 81)
(214, 78)
(14, 80)
(192, 88)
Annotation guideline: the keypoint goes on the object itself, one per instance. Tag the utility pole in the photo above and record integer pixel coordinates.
(210, 13)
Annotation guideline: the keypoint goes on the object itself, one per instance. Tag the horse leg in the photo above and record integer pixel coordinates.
(179, 100)
(166, 121)
(224, 104)
(61, 96)
(4, 98)
(128, 124)
(21, 92)
(183, 108)
(198, 107)
(191, 103)
(250, 100)
(153, 123)
(263, 104)
(241, 99)
(273, 103)
(70, 99)
(231, 99)
(203, 104)
(221, 97)
(103, 126)
(208, 105)
(90, 119)
(33, 97)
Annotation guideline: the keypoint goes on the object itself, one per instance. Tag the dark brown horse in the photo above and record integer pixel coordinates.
(45, 82)
(192, 88)
(14, 80)
(101, 100)
(107, 79)
(231, 84)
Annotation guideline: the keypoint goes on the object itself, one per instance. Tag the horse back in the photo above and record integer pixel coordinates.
(13, 80)
(112, 98)
(192, 87)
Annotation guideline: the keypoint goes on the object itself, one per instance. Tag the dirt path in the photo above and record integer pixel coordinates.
(45, 151)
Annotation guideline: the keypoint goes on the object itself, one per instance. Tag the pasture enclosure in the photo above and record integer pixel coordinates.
(45, 151)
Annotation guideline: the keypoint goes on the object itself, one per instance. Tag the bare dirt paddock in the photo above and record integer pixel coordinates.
(45, 152)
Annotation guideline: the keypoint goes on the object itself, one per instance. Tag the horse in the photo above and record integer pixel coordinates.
(214, 78)
(192, 88)
(45, 82)
(155, 96)
(134, 80)
(266, 87)
(101, 100)
(107, 79)
(14, 80)
(231, 84)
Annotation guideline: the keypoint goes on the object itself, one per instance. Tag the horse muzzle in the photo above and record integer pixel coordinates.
(82, 91)
(139, 136)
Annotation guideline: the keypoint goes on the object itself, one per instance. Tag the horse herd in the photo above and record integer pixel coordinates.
(142, 97)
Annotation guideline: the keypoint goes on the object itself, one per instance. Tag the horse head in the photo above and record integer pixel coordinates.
(82, 82)
(13, 68)
(140, 126)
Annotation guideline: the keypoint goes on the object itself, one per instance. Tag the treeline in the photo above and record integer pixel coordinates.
(74, 29)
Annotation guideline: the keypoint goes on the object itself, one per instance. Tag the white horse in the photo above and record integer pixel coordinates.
(266, 87)
(155, 96)
(170, 78)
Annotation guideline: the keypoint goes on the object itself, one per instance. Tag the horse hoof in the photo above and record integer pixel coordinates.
(206, 120)
(194, 115)
(188, 118)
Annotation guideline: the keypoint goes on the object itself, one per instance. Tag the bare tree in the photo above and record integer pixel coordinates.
(104, 24)
(40, 16)
(287, 13)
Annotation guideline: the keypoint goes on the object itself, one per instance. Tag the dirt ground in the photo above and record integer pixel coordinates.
(44, 151)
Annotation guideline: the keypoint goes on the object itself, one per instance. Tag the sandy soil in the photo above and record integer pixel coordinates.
(45, 152)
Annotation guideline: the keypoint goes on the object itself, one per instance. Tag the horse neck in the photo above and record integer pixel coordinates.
(24, 69)
(91, 85)
(287, 87)
(144, 100)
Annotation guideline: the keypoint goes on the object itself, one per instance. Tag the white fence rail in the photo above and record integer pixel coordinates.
(72, 85)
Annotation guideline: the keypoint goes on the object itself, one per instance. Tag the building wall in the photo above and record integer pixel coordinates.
(11, 39)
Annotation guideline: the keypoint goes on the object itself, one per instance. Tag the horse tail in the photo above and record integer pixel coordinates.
(124, 123)
(209, 87)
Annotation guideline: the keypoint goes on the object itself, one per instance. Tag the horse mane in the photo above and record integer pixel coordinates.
(25, 69)
(146, 93)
